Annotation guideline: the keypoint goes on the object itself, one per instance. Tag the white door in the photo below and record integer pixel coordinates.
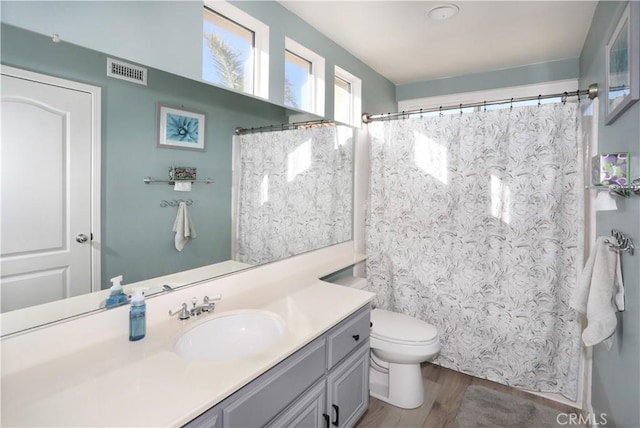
(46, 149)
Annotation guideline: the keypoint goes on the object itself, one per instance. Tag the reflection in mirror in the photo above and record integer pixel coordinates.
(136, 237)
(294, 192)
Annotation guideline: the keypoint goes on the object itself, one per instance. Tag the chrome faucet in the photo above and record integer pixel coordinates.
(208, 305)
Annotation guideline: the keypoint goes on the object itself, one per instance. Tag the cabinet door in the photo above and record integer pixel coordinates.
(348, 389)
(306, 412)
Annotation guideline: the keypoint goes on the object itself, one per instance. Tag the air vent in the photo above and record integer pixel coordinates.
(125, 71)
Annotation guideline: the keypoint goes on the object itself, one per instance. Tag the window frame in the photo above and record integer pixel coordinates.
(355, 115)
(261, 44)
(317, 76)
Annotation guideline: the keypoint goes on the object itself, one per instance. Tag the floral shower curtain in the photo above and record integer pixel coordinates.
(294, 192)
(475, 225)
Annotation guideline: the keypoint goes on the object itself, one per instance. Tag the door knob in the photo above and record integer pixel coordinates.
(81, 237)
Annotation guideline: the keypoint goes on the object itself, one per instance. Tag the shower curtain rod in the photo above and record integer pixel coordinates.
(285, 126)
(592, 92)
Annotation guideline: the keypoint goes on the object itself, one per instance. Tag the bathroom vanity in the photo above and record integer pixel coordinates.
(85, 372)
(324, 384)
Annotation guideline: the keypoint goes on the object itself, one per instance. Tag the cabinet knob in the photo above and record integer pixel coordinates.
(356, 337)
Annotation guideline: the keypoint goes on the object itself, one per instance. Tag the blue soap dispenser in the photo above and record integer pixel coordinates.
(137, 316)
(117, 296)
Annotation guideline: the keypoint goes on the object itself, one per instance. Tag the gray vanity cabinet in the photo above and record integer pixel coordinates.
(323, 385)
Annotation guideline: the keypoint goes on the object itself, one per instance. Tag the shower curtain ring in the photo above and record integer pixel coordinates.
(564, 97)
(440, 111)
(511, 106)
(420, 113)
(460, 109)
(485, 105)
(539, 97)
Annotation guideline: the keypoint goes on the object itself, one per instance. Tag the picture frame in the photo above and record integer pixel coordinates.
(180, 129)
(623, 63)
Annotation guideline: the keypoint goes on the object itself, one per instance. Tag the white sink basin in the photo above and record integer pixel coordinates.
(230, 336)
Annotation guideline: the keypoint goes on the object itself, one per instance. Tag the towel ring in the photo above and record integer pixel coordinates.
(175, 202)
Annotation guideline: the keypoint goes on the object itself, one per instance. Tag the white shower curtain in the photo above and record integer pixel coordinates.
(295, 192)
(475, 225)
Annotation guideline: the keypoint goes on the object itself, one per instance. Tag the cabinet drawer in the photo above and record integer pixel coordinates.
(306, 412)
(348, 336)
(262, 400)
(209, 419)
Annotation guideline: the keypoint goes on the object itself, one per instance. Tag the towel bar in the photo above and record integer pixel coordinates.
(148, 180)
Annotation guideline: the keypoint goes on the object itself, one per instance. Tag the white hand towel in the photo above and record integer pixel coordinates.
(183, 227)
(600, 294)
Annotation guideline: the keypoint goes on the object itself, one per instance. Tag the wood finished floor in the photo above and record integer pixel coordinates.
(443, 393)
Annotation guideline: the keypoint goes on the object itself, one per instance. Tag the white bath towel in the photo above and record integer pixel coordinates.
(183, 227)
(600, 294)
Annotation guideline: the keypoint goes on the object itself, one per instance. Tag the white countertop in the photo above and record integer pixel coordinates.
(114, 382)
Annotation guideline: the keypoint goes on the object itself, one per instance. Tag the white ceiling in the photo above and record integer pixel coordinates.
(395, 39)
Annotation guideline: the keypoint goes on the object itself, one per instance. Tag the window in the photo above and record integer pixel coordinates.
(298, 84)
(303, 78)
(235, 49)
(347, 98)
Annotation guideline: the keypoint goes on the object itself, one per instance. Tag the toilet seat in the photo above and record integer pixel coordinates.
(401, 329)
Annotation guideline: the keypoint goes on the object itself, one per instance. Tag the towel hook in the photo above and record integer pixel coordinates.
(622, 242)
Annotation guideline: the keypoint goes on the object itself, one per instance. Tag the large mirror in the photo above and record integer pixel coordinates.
(236, 217)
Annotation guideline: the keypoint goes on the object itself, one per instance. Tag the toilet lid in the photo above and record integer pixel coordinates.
(396, 327)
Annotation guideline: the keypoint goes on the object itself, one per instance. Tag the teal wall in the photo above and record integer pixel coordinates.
(167, 35)
(616, 373)
(526, 75)
(137, 240)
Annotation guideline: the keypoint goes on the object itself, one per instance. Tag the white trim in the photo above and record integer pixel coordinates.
(317, 74)
(261, 32)
(96, 115)
(553, 87)
(355, 118)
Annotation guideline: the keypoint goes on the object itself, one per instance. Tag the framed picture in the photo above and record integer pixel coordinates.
(623, 63)
(180, 129)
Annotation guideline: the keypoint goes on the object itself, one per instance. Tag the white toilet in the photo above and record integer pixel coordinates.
(399, 343)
